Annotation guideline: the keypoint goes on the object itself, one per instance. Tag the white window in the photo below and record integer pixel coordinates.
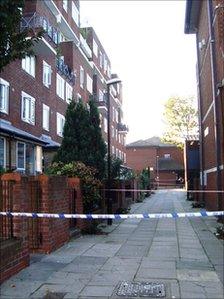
(113, 113)
(89, 83)
(101, 95)
(68, 93)
(117, 116)
(2, 152)
(28, 65)
(21, 155)
(104, 63)
(101, 59)
(82, 78)
(119, 138)
(113, 150)
(60, 87)
(167, 156)
(116, 132)
(95, 48)
(112, 131)
(28, 108)
(101, 118)
(75, 13)
(4, 96)
(46, 74)
(120, 156)
(118, 88)
(124, 158)
(46, 114)
(105, 124)
(65, 5)
(60, 124)
(108, 71)
(117, 152)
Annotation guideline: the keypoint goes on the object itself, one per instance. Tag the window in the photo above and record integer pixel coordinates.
(206, 131)
(113, 114)
(95, 48)
(118, 88)
(112, 131)
(82, 77)
(101, 95)
(75, 14)
(116, 115)
(119, 138)
(105, 124)
(113, 150)
(125, 158)
(4, 96)
(167, 156)
(89, 83)
(108, 71)
(60, 87)
(2, 152)
(28, 108)
(46, 110)
(101, 118)
(46, 74)
(65, 5)
(117, 152)
(104, 63)
(21, 155)
(60, 124)
(101, 59)
(68, 93)
(116, 132)
(28, 65)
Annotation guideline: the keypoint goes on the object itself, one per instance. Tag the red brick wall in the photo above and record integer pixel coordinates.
(14, 255)
(139, 158)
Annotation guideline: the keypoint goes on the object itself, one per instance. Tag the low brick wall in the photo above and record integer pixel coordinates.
(14, 253)
(54, 199)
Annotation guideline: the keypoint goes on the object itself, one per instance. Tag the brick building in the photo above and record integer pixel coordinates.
(205, 19)
(165, 160)
(35, 92)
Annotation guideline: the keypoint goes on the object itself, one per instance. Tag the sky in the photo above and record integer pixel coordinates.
(149, 51)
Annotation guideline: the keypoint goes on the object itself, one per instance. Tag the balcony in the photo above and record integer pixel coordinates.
(122, 128)
(64, 69)
(84, 46)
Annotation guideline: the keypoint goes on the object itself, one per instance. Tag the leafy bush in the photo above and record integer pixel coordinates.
(90, 185)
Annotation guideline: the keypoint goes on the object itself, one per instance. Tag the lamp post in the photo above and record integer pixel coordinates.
(109, 197)
(157, 170)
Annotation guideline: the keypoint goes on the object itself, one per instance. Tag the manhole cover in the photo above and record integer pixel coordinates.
(141, 289)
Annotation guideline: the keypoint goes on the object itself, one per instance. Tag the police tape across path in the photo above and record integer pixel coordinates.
(175, 215)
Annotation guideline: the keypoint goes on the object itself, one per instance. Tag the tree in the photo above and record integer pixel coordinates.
(13, 42)
(76, 141)
(181, 120)
(98, 146)
(82, 138)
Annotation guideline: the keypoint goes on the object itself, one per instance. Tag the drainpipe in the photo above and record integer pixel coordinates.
(201, 131)
(215, 100)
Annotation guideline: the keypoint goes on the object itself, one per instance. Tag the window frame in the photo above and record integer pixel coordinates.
(24, 152)
(82, 77)
(76, 15)
(89, 83)
(61, 117)
(67, 88)
(47, 66)
(5, 109)
(46, 108)
(58, 86)
(4, 152)
(32, 104)
(65, 5)
(27, 66)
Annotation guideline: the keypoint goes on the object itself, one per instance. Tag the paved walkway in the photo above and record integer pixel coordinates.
(183, 254)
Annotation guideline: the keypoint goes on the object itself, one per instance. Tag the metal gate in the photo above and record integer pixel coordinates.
(6, 205)
(34, 224)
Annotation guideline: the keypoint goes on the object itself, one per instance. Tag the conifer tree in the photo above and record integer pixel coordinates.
(98, 147)
(76, 140)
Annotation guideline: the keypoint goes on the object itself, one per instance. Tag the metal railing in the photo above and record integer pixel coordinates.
(65, 70)
(122, 128)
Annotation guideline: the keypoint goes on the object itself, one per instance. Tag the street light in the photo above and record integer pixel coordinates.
(157, 170)
(109, 198)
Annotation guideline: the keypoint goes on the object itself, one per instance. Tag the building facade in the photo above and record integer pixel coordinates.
(36, 90)
(205, 20)
(165, 161)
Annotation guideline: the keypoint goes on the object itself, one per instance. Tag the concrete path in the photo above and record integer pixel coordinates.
(183, 254)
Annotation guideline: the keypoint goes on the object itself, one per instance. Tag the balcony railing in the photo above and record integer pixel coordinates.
(65, 70)
(84, 46)
(35, 21)
(122, 128)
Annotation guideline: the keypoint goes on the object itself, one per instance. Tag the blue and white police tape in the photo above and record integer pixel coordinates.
(201, 213)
